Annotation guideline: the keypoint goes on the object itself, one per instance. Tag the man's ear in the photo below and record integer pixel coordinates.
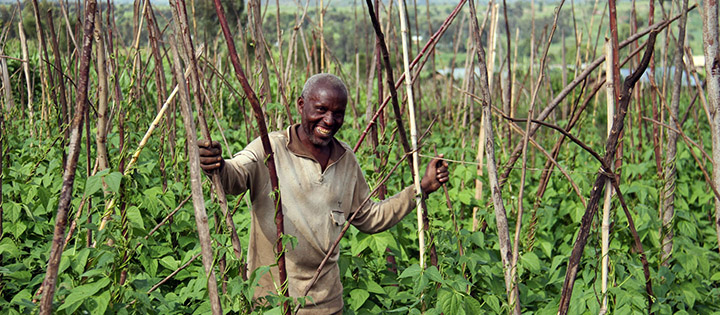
(300, 103)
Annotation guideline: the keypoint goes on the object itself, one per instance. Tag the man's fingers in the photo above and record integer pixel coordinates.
(208, 160)
(210, 152)
(210, 167)
(205, 143)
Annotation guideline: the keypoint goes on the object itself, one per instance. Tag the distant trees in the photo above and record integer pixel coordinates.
(207, 21)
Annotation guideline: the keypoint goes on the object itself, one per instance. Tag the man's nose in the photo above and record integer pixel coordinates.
(328, 119)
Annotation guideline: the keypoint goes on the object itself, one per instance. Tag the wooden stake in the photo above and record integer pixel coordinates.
(201, 219)
(183, 31)
(670, 171)
(486, 101)
(270, 160)
(413, 135)
(605, 242)
(48, 286)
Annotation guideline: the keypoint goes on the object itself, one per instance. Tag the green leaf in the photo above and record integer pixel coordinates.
(102, 301)
(358, 298)
(531, 261)
(466, 197)
(493, 302)
(80, 260)
(433, 274)
(170, 263)
(472, 306)
(715, 277)
(113, 181)
(9, 248)
(134, 216)
(451, 302)
(92, 184)
(372, 286)
(412, 271)
(83, 292)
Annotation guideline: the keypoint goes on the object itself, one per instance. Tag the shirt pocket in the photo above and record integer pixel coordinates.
(338, 217)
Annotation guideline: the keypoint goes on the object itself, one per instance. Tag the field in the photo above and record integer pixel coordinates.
(605, 203)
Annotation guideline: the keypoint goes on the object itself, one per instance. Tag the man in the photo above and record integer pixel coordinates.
(321, 185)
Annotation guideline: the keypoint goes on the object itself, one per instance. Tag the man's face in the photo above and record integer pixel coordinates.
(322, 112)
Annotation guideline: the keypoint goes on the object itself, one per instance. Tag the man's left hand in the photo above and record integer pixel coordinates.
(436, 174)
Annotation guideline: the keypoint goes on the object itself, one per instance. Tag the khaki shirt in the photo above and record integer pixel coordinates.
(315, 205)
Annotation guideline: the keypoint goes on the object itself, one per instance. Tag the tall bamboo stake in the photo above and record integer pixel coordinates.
(193, 153)
(492, 44)
(154, 37)
(413, 134)
(63, 117)
(42, 51)
(48, 286)
(102, 95)
(270, 161)
(610, 89)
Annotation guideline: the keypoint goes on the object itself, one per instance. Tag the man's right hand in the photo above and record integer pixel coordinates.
(210, 155)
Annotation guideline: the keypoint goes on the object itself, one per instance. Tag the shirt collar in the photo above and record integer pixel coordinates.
(296, 146)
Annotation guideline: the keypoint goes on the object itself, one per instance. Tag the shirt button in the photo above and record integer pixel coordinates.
(321, 179)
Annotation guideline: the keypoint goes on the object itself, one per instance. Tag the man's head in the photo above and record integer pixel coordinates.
(322, 108)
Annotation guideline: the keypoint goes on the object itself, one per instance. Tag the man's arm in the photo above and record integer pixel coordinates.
(375, 217)
(235, 173)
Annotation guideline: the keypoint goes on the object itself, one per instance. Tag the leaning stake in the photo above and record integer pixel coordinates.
(193, 153)
(255, 103)
(48, 285)
(217, 185)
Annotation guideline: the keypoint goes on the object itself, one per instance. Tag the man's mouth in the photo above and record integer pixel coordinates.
(323, 131)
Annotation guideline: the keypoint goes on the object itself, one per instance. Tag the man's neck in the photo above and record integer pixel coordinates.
(321, 153)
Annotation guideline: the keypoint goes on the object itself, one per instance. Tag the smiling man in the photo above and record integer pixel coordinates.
(321, 185)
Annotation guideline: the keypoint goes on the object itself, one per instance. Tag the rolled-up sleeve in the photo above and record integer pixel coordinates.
(375, 217)
(238, 172)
